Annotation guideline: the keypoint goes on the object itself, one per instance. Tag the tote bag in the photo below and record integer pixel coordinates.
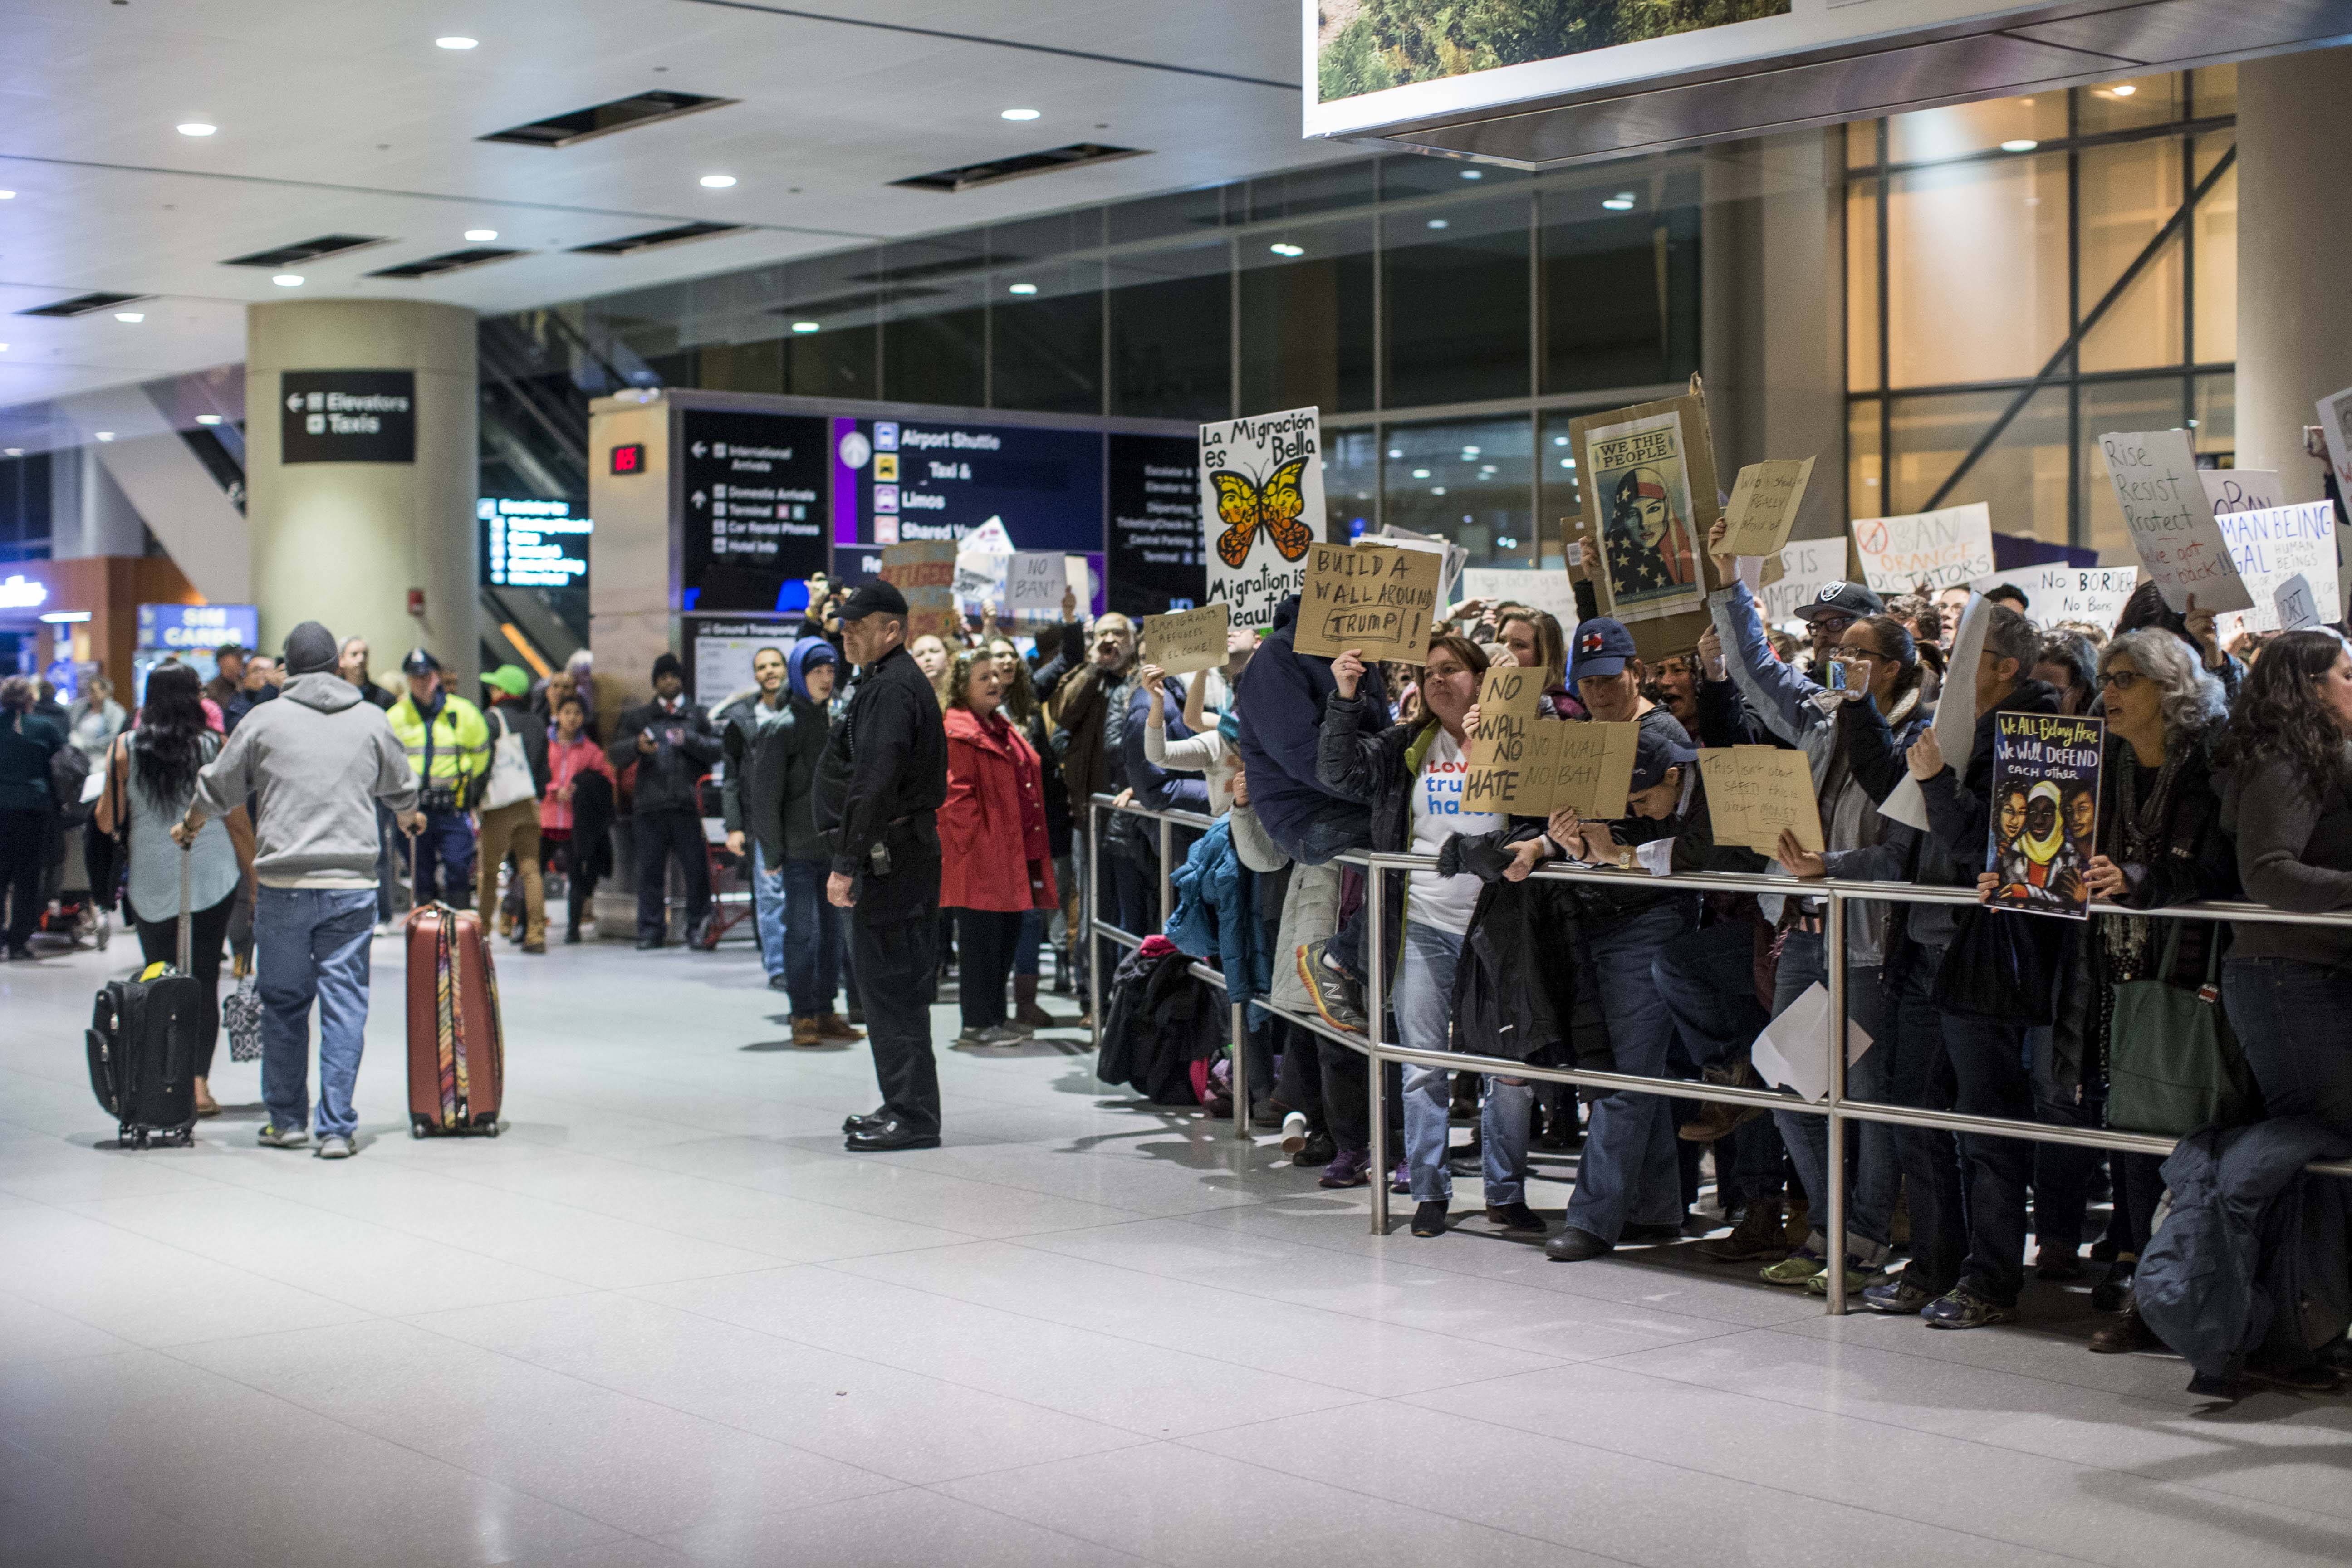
(2173, 1061)
(511, 781)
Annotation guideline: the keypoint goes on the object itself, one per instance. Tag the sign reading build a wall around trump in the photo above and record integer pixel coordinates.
(1376, 599)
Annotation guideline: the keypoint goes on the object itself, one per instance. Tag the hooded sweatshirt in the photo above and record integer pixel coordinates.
(319, 758)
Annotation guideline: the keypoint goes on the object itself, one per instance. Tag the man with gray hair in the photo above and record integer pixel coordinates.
(319, 759)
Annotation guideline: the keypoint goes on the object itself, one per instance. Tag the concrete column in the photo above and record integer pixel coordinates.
(88, 513)
(2295, 233)
(347, 543)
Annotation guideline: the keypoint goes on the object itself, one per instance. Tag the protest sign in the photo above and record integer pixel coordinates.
(1508, 699)
(2268, 548)
(2242, 490)
(2336, 429)
(2045, 811)
(1454, 557)
(1649, 500)
(1793, 1051)
(1763, 507)
(1034, 582)
(1261, 508)
(1754, 792)
(1589, 770)
(2171, 521)
(2055, 594)
(1188, 640)
(1374, 598)
(1807, 567)
(1928, 550)
(2298, 608)
(1549, 591)
(925, 571)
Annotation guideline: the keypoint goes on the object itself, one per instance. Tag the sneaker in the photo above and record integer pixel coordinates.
(1897, 1298)
(1516, 1219)
(1791, 1271)
(1961, 1307)
(1294, 1132)
(1337, 997)
(1756, 1235)
(292, 1137)
(1429, 1219)
(1348, 1168)
(1857, 1280)
(1401, 1179)
(334, 1147)
(1318, 1150)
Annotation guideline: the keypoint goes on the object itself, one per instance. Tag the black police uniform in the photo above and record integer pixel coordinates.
(880, 785)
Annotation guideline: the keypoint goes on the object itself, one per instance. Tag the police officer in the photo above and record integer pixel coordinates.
(448, 746)
(880, 785)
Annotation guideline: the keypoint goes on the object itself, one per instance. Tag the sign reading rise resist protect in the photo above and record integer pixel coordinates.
(2170, 519)
(347, 416)
(1374, 598)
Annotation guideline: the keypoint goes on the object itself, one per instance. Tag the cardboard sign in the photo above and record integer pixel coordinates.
(1374, 598)
(1589, 770)
(2242, 490)
(1754, 792)
(1508, 699)
(2272, 546)
(1929, 550)
(1188, 640)
(1649, 494)
(2171, 521)
(1261, 508)
(2298, 608)
(2045, 811)
(1763, 507)
(1034, 582)
(926, 573)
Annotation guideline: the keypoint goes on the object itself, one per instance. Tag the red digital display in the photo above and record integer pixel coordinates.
(629, 458)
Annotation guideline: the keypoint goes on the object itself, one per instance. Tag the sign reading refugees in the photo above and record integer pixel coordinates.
(2171, 521)
(1507, 700)
(1187, 640)
(2045, 811)
(1929, 550)
(2271, 547)
(1649, 497)
(926, 574)
(1262, 508)
(1753, 792)
(1763, 507)
(1374, 598)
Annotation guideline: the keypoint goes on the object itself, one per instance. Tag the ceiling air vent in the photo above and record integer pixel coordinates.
(1075, 155)
(654, 239)
(83, 305)
(306, 250)
(603, 119)
(447, 261)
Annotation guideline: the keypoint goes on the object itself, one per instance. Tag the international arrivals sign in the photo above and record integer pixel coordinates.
(347, 416)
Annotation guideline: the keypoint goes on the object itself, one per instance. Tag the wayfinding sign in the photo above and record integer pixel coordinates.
(347, 416)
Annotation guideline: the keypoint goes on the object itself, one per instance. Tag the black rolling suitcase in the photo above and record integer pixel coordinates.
(142, 1046)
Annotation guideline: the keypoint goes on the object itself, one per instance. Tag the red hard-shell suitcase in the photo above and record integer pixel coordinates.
(456, 1053)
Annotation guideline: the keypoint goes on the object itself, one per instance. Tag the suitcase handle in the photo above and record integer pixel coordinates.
(187, 937)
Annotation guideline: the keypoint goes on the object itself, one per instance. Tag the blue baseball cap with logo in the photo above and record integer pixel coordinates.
(1602, 646)
(1654, 755)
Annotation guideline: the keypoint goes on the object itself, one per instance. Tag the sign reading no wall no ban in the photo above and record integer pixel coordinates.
(347, 416)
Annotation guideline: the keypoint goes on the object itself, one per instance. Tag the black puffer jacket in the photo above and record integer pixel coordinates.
(1525, 987)
(1160, 1020)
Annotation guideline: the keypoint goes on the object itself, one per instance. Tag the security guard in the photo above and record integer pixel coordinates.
(880, 785)
(449, 744)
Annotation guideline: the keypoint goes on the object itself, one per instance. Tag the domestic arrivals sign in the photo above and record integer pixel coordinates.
(347, 416)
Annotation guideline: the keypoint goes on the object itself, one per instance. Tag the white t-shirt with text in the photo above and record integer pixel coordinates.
(1446, 902)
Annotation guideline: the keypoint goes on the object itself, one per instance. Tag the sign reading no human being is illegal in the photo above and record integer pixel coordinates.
(1374, 598)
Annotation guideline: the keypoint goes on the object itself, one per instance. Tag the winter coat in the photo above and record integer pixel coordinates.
(2250, 1264)
(1160, 1019)
(994, 854)
(1215, 916)
(566, 762)
(1525, 987)
(685, 746)
(771, 772)
(880, 785)
(1082, 706)
(1155, 786)
(1279, 707)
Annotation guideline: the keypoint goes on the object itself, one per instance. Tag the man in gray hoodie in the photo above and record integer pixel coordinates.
(319, 759)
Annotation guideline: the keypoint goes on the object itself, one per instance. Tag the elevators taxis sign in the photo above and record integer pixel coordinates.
(347, 416)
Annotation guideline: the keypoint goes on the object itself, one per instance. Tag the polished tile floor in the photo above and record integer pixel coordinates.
(666, 1319)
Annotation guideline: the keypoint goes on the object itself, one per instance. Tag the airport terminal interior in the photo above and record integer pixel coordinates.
(711, 856)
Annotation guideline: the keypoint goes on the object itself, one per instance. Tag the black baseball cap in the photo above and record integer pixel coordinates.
(875, 598)
(1849, 599)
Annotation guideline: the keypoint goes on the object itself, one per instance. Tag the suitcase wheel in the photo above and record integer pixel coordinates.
(491, 1130)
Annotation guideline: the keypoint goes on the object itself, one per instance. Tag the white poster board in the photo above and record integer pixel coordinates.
(1034, 582)
(1929, 550)
(1793, 1051)
(1261, 508)
(2298, 608)
(1807, 567)
(2090, 595)
(2242, 490)
(1549, 590)
(2171, 521)
(2269, 549)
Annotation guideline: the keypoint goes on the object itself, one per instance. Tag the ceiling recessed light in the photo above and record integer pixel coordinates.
(2020, 144)
(716, 182)
(1018, 114)
(12, 452)
(1396, 451)
(1439, 223)
(1284, 247)
(197, 128)
(129, 315)
(287, 280)
(481, 235)
(1474, 174)
(1437, 489)
(1623, 202)
(1470, 451)
(1421, 473)
(456, 43)
(106, 434)
(1023, 289)
(2123, 90)
(8, 196)
(208, 419)
(806, 326)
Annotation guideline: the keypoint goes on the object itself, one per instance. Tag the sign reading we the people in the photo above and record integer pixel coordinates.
(1374, 598)
(1648, 491)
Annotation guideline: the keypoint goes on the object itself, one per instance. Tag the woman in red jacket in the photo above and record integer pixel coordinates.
(996, 860)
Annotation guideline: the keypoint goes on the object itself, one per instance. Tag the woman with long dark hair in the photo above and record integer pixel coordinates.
(2288, 799)
(151, 777)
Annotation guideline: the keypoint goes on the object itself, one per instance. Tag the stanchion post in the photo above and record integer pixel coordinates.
(1241, 1065)
(1377, 1098)
(1088, 911)
(1833, 948)
(1166, 872)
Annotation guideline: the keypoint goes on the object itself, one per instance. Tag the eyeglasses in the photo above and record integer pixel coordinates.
(2121, 679)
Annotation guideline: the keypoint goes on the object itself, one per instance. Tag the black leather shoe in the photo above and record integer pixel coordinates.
(864, 1123)
(884, 1136)
(646, 945)
(1429, 1219)
(1574, 1246)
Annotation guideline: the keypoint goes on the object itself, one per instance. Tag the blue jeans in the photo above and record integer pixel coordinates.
(768, 910)
(1629, 1173)
(1707, 979)
(1031, 938)
(1871, 1213)
(811, 938)
(2289, 1016)
(1503, 1118)
(1424, 1018)
(313, 943)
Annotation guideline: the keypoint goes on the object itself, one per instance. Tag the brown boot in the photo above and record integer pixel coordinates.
(2128, 1332)
(1026, 1014)
(831, 1026)
(1757, 1236)
(1716, 1117)
(804, 1033)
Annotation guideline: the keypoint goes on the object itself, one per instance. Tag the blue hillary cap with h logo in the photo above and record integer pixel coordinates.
(1602, 646)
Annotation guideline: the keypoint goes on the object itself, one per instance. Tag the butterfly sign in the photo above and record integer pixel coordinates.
(1261, 508)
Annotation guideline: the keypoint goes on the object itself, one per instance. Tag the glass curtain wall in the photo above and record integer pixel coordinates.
(2026, 274)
